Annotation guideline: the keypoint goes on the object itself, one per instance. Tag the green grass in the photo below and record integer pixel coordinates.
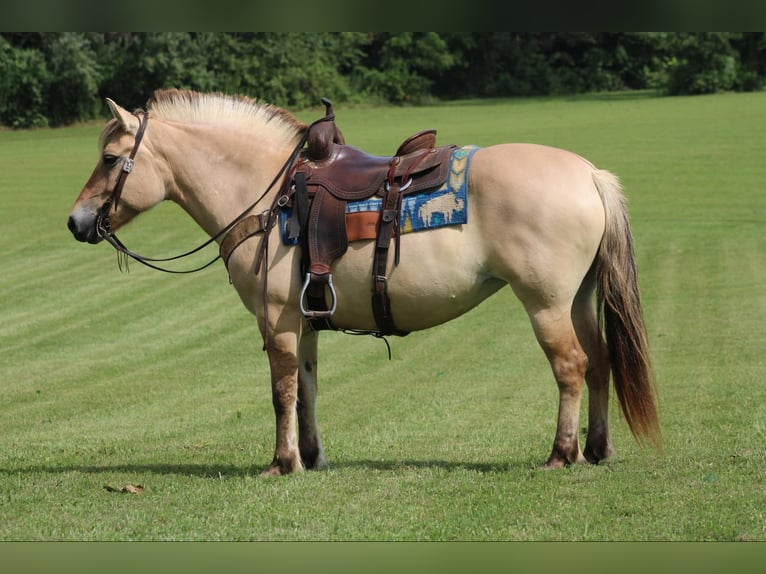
(145, 378)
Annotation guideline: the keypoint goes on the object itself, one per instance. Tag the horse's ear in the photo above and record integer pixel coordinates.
(128, 121)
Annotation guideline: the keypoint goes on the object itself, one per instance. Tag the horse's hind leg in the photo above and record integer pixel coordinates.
(556, 335)
(598, 446)
(309, 443)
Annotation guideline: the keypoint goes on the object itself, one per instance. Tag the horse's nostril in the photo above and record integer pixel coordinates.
(79, 233)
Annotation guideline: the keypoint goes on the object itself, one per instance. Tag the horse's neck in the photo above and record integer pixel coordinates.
(216, 173)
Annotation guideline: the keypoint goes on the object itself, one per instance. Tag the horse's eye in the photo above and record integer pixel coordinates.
(110, 160)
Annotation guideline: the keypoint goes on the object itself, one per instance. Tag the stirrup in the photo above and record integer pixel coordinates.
(309, 314)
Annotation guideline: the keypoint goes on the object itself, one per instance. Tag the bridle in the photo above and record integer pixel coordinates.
(103, 225)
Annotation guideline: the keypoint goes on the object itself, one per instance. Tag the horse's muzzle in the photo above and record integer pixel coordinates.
(83, 228)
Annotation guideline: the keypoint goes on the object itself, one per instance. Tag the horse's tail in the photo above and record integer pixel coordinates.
(620, 316)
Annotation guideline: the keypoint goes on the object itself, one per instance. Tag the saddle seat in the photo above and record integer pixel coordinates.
(329, 175)
(352, 174)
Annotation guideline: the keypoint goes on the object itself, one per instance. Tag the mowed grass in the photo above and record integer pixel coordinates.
(110, 379)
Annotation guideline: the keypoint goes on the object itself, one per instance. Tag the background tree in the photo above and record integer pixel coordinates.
(402, 67)
(72, 64)
(23, 85)
(703, 63)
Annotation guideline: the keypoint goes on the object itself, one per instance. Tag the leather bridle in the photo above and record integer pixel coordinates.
(103, 225)
(127, 167)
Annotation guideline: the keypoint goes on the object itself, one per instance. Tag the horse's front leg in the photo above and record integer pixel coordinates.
(309, 443)
(282, 350)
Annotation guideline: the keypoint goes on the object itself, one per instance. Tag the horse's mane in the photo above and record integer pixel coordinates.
(218, 108)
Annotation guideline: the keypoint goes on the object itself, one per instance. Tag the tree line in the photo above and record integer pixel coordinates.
(57, 78)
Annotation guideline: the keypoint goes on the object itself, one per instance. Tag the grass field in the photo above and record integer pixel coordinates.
(111, 379)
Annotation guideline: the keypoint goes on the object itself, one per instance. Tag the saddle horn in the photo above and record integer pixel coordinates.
(323, 133)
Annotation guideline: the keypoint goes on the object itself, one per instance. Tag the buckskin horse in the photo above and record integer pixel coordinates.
(543, 220)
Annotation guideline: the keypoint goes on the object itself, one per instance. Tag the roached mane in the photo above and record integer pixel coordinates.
(217, 108)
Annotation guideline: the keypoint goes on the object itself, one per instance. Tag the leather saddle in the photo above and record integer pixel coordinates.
(328, 175)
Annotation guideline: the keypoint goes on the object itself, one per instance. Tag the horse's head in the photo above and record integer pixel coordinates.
(110, 198)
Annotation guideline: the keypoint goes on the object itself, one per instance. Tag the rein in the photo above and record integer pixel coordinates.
(103, 224)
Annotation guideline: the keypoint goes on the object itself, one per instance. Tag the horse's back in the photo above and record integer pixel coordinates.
(520, 171)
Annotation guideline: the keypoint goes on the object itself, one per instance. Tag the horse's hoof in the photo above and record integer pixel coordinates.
(272, 470)
(554, 464)
(282, 466)
(558, 460)
(595, 456)
(314, 460)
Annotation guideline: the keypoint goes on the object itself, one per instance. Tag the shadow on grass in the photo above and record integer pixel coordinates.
(220, 471)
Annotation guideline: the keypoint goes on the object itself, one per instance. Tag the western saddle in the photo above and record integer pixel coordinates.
(329, 174)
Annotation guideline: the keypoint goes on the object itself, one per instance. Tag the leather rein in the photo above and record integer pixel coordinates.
(103, 224)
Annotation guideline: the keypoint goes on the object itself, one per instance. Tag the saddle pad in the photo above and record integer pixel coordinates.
(446, 205)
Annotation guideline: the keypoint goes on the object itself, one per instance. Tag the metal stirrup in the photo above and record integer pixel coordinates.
(318, 314)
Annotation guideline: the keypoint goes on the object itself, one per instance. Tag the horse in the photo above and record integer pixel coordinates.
(541, 219)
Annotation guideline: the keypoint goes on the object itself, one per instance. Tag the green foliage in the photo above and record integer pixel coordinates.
(704, 63)
(61, 77)
(751, 47)
(72, 63)
(401, 67)
(287, 68)
(507, 63)
(141, 63)
(23, 84)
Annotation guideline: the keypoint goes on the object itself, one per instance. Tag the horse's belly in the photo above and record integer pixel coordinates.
(440, 276)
